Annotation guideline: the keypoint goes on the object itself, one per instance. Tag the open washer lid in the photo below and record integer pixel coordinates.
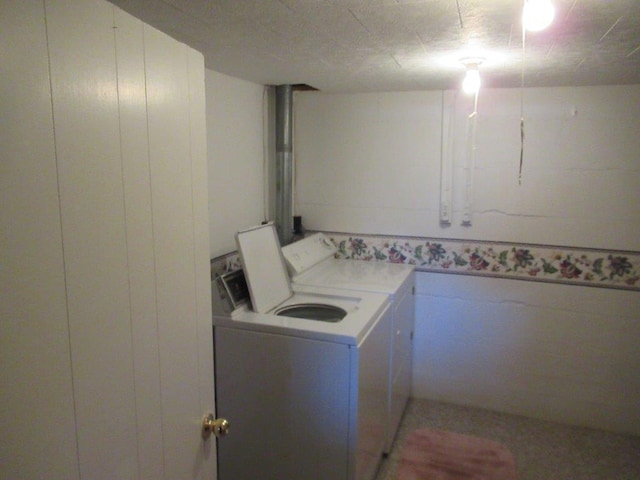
(264, 267)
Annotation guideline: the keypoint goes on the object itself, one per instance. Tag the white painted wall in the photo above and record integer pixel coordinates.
(580, 175)
(558, 352)
(237, 169)
(370, 163)
(367, 162)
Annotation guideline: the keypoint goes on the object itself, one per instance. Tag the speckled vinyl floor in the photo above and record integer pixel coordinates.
(542, 450)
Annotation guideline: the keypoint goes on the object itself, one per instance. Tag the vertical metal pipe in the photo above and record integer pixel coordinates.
(284, 163)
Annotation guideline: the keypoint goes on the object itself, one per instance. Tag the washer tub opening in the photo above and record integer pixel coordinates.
(313, 311)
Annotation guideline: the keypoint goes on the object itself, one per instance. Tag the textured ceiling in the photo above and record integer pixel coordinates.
(394, 45)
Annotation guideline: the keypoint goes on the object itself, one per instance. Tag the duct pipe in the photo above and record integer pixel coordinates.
(284, 163)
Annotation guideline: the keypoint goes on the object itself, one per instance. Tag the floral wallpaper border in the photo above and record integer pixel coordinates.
(542, 263)
(590, 267)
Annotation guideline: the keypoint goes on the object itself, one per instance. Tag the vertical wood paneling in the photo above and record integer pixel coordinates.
(84, 89)
(140, 248)
(197, 124)
(105, 333)
(173, 222)
(37, 417)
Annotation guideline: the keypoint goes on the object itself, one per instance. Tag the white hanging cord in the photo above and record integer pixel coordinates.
(265, 154)
(447, 156)
(475, 102)
(459, 14)
(522, 106)
(472, 122)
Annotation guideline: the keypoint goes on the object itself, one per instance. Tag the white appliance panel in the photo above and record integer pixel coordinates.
(312, 264)
(264, 267)
(304, 254)
(287, 399)
(302, 407)
(373, 390)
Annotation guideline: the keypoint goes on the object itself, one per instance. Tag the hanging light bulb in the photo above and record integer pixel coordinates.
(537, 14)
(471, 82)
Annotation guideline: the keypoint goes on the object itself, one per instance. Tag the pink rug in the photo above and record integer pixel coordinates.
(439, 455)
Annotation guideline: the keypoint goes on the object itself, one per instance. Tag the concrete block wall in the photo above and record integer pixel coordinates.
(369, 164)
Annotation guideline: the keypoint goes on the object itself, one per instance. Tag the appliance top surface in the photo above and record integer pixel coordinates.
(311, 261)
(361, 275)
(363, 309)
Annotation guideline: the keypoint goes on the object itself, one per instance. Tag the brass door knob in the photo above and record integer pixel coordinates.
(218, 426)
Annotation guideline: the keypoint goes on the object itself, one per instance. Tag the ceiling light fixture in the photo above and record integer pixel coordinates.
(537, 14)
(471, 82)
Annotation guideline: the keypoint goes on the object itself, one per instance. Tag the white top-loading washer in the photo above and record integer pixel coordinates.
(305, 395)
(311, 262)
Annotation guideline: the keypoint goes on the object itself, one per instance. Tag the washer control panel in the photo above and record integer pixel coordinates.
(304, 254)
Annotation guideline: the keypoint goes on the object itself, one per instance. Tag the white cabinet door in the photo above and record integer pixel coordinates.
(90, 174)
(36, 397)
(129, 46)
(178, 174)
(106, 337)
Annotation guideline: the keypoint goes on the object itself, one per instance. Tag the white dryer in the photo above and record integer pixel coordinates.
(311, 262)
